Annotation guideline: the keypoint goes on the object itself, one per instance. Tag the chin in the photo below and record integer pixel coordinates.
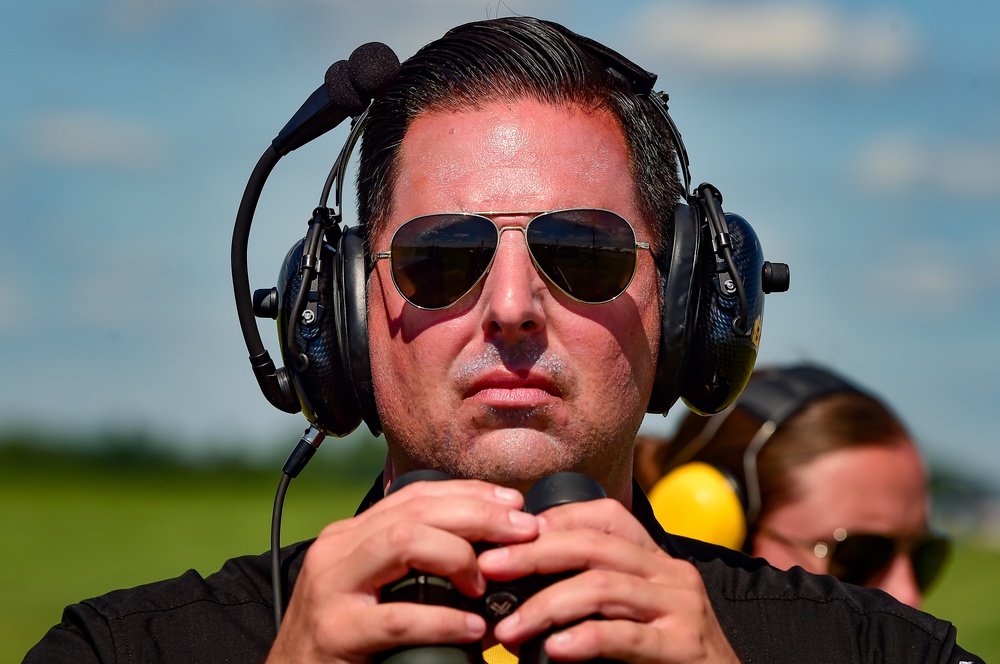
(519, 461)
(516, 460)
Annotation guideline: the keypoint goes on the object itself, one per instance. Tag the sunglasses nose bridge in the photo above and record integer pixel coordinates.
(524, 234)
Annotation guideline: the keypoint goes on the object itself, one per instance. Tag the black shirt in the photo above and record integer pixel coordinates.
(768, 615)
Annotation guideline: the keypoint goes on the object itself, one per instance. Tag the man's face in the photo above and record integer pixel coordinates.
(516, 380)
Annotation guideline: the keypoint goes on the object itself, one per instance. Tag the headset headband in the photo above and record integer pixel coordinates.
(774, 397)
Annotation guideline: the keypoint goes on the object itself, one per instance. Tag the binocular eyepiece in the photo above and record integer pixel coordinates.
(500, 599)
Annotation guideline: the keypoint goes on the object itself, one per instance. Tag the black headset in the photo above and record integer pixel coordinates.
(713, 274)
(703, 501)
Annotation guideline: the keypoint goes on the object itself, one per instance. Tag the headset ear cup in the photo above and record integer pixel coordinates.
(721, 358)
(679, 309)
(322, 383)
(353, 280)
(700, 501)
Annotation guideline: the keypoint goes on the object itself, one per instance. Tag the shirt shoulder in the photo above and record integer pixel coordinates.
(226, 616)
(772, 615)
(777, 616)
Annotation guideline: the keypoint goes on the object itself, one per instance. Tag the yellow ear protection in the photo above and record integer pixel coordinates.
(705, 502)
(700, 501)
(713, 273)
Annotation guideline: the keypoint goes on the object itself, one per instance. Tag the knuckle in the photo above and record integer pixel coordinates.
(329, 634)
(399, 536)
(601, 582)
(394, 624)
(688, 575)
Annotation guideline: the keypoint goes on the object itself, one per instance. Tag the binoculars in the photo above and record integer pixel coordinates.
(500, 599)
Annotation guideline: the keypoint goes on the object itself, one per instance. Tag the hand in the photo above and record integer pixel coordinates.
(655, 607)
(334, 614)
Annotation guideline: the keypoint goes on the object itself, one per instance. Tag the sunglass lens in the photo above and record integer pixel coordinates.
(928, 559)
(859, 558)
(589, 254)
(438, 258)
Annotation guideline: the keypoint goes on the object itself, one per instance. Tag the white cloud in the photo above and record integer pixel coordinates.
(85, 138)
(411, 22)
(928, 278)
(905, 162)
(777, 38)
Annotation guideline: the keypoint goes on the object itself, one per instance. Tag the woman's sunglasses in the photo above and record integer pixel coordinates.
(588, 254)
(859, 558)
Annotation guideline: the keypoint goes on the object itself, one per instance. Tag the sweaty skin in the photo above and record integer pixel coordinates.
(513, 383)
(516, 381)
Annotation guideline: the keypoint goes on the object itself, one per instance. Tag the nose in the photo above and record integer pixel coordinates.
(512, 291)
(900, 581)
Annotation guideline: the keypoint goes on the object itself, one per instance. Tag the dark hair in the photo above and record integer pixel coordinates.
(842, 420)
(508, 59)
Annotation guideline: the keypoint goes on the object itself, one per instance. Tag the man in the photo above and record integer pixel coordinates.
(502, 378)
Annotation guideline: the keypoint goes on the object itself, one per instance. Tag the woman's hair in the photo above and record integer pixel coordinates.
(505, 60)
(837, 421)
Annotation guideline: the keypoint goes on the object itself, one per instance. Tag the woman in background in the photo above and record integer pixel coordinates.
(804, 469)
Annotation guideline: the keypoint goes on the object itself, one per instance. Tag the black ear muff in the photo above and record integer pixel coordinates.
(701, 501)
(352, 271)
(329, 363)
(708, 337)
(679, 309)
(727, 327)
(312, 353)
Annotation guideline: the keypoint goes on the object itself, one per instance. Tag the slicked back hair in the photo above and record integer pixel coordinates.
(507, 60)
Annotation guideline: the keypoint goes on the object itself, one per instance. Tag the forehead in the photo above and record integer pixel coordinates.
(524, 155)
(877, 488)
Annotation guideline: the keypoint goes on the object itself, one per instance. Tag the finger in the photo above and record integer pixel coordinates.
(637, 643)
(605, 515)
(561, 551)
(609, 594)
(455, 488)
(359, 634)
(473, 489)
(482, 515)
(389, 553)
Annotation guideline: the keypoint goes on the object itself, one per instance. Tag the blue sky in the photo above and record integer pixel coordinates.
(861, 139)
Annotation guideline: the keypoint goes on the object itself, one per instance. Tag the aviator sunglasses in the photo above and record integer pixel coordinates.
(587, 253)
(859, 558)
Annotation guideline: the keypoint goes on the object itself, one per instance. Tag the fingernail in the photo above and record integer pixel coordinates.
(475, 624)
(522, 520)
(507, 495)
(493, 556)
(509, 623)
(561, 637)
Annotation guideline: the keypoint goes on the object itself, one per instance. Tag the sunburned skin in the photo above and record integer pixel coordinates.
(515, 380)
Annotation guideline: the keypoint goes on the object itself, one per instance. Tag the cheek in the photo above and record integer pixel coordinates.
(406, 351)
(641, 342)
(620, 347)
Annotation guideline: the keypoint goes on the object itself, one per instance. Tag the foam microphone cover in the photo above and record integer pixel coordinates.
(372, 68)
(341, 91)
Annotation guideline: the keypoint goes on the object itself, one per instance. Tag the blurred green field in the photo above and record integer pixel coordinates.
(71, 532)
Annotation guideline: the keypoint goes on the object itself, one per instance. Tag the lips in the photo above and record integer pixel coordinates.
(504, 388)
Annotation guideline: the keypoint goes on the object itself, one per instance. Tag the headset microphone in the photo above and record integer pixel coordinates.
(348, 87)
